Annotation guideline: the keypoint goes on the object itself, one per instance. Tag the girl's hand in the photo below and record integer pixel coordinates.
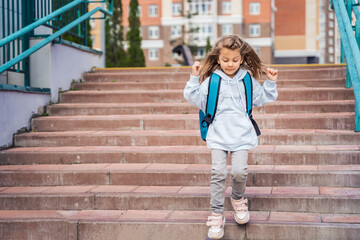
(272, 74)
(196, 69)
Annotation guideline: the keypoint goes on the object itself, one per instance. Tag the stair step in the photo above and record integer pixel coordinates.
(175, 175)
(341, 121)
(151, 70)
(262, 155)
(136, 76)
(184, 198)
(179, 137)
(176, 225)
(120, 85)
(131, 85)
(187, 69)
(157, 96)
(66, 109)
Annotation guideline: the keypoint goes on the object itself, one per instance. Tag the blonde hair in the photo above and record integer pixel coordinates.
(250, 60)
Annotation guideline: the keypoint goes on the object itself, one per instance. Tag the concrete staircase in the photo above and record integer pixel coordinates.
(121, 158)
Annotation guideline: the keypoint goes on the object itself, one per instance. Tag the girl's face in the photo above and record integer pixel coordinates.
(230, 61)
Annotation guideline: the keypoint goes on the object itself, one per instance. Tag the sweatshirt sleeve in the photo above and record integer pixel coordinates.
(264, 94)
(195, 93)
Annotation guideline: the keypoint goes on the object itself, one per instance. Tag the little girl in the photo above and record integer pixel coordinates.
(231, 130)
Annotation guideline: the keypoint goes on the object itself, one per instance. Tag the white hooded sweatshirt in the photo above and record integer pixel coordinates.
(231, 129)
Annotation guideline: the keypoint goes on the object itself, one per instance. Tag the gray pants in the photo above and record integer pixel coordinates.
(218, 175)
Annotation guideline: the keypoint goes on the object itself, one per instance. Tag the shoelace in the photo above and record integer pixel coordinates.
(241, 205)
(214, 221)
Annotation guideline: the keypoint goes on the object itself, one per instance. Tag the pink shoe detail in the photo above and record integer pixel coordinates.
(216, 222)
(242, 215)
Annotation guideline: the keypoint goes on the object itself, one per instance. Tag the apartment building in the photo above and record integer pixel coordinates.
(305, 32)
(281, 31)
(164, 25)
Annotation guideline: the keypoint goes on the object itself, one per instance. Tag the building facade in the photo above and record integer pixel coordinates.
(329, 34)
(166, 24)
(305, 32)
(280, 31)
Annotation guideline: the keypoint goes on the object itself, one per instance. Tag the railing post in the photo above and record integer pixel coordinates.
(349, 12)
(342, 58)
(84, 24)
(28, 17)
(357, 108)
(357, 32)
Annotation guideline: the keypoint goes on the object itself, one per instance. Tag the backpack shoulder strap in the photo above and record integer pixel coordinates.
(249, 103)
(248, 93)
(212, 99)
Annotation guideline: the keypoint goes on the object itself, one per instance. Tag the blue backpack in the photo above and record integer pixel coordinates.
(213, 93)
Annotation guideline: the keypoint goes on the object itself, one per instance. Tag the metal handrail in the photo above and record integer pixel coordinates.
(53, 36)
(39, 22)
(49, 17)
(355, 9)
(49, 39)
(351, 51)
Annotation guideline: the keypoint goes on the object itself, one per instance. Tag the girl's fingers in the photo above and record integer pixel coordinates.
(196, 68)
(272, 71)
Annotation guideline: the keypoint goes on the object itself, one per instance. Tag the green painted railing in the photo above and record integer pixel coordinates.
(21, 17)
(350, 47)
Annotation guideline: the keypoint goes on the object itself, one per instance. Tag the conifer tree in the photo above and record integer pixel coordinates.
(115, 53)
(136, 56)
(208, 46)
(191, 32)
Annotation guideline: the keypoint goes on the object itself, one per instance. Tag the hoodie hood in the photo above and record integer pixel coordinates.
(233, 83)
(239, 76)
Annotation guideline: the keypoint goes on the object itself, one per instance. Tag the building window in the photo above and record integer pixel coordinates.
(331, 15)
(331, 41)
(176, 31)
(257, 50)
(153, 10)
(176, 9)
(322, 43)
(331, 24)
(331, 50)
(331, 59)
(226, 7)
(201, 7)
(200, 53)
(254, 8)
(139, 10)
(331, 33)
(154, 32)
(202, 32)
(254, 30)
(322, 17)
(153, 54)
(227, 29)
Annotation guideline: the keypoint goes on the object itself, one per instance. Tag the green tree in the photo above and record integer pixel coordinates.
(191, 42)
(115, 53)
(136, 56)
(208, 46)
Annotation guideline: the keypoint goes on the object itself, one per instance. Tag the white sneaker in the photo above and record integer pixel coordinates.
(242, 215)
(216, 222)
